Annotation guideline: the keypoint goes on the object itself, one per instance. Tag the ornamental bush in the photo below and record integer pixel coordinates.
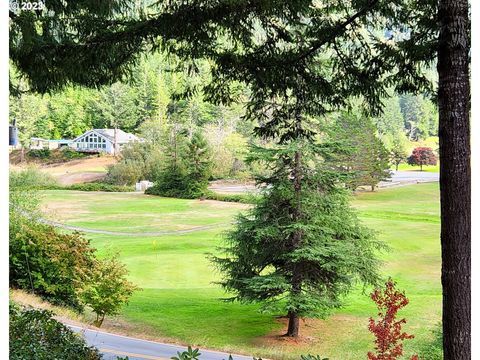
(387, 329)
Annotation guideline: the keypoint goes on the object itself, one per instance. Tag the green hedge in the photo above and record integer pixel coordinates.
(93, 186)
(240, 198)
(209, 195)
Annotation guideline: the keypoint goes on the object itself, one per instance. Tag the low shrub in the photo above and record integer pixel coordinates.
(31, 178)
(39, 153)
(70, 154)
(239, 198)
(208, 195)
(34, 334)
(387, 329)
(98, 186)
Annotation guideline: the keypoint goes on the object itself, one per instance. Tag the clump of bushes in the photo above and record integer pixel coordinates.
(49, 263)
(59, 155)
(40, 153)
(63, 269)
(70, 154)
(98, 186)
(139, 161)
(60, 267)
(34, 334)
(126, 172)
(31, 178)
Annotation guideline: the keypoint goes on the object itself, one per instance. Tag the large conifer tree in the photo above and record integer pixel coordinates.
(301, 248)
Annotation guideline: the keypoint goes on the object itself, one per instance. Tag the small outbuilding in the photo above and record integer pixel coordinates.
(39, 143)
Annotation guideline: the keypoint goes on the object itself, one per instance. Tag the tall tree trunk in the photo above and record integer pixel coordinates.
(294, 319)
(293, 324)
(454, 136)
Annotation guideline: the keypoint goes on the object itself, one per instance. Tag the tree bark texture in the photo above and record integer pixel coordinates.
(293, 324)
(455, 183)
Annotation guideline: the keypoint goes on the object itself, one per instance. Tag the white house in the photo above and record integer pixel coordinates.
(102, 140)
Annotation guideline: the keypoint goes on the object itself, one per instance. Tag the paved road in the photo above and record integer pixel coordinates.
(414, 176)
(111, 346)
(398, 178)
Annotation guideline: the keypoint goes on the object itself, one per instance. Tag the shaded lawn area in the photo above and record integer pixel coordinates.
(180, 301)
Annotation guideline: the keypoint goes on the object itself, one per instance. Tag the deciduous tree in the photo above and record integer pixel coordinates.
(422, 156)
(107, 288)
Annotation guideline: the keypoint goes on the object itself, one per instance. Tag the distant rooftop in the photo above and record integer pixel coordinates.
(122, 136)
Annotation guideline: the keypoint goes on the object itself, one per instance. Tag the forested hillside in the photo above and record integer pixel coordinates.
(161, 104)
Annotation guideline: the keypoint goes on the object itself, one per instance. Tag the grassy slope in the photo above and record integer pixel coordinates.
(179, 301)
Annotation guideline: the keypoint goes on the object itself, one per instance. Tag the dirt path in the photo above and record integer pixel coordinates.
(119, 233)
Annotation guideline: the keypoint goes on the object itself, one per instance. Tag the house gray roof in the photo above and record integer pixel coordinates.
(122, 136)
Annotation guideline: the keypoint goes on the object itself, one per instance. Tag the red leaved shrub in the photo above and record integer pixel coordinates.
(388, 330)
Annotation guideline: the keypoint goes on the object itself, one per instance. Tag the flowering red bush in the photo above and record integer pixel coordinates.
(422, 156)
(387, 330)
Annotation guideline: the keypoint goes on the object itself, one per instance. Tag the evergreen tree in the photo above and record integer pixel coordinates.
(171, 180)
(301, 248)
(420, 117)
(198, 166)
(118, 108)
(363, 155)
(391, 120)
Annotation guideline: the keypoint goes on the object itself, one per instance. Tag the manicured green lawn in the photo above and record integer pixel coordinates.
(134, 212)
(406, 167)
(180, 302)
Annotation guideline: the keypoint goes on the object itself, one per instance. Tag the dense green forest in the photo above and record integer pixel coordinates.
(162, 104)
